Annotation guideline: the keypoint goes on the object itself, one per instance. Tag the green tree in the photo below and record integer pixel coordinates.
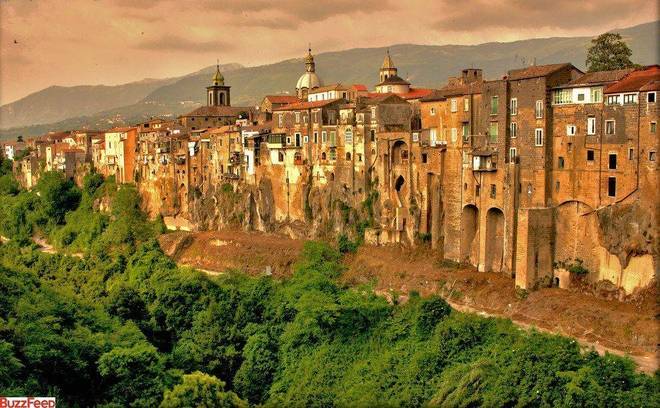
(608, 52)
(58, 196)
(8, 185)
(201, 390)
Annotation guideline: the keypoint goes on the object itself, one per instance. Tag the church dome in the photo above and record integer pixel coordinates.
(309, 80)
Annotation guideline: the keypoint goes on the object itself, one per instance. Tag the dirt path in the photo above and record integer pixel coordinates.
(617, 327)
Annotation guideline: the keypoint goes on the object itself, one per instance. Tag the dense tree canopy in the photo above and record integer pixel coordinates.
(608, 52)
(124, 326)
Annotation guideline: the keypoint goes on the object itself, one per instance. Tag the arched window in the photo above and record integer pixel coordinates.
(332, 176)
(323, 156)
(280, 157)
(348, 156)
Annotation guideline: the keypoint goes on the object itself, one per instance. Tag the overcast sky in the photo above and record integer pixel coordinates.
(73, 42)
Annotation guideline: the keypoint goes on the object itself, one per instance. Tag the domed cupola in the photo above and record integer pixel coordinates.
(308, 80)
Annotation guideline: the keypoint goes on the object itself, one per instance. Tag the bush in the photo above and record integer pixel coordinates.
(345, 245)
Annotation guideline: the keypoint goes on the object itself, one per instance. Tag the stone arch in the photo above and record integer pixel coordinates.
(494, 256)
(399, 152)
(222, 98)
(470, 231)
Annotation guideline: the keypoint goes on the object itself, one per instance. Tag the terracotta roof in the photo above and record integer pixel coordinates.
(637, 80)
(436, 95)
(394, 80)
(332, 87)
(651, 86)
(536, 71)
(224, 111)
(359, 87)
(307, 105)
(121, 129)
(416, 93)
(599, 77)
(374, 98)
(282, 98)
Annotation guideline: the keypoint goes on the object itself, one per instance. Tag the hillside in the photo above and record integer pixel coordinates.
(57, 103)
(423, 65)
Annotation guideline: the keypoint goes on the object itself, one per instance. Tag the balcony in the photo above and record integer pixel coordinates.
(276, 141)
(484, 161)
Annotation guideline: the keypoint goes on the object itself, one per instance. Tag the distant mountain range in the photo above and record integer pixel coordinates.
(62, 108)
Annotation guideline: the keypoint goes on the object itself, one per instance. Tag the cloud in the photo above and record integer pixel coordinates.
(169, 42)
(471, 15)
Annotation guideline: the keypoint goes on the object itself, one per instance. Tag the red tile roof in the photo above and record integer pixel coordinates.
(636, 80)
(599, 77)
(307, 105)
(416, 93)
(282, 98)
(536, 71)
(359, 87)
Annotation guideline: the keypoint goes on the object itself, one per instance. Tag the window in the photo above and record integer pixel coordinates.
(514, 130)
(466, 132)
(512, 154)
(611, 186)
(596, 95)
(297, 135)
(333, 138)
(538, 137)
(372, 133)
(590, 155)
(612, 162)
(466, 104)
(280, 157)
(477, 190)
(580, 97)
(612, 99)
(494, 105)
(629, 98)
(432, 111)
(454, 135)
(610, 127)
(492, 131)
(280, 120)
(652, 126)
(652, 155)
(570, 130)
(288, 140)
(324, 136)
(514, 106)
(631, 154)
(415, 137)
(373, 113)
(560, 96)
(591, 125)
(424, 158)
(493, 191)
(557, 186)
(348, 156)
(538, 111)
(323, 156)
(333, 154)
(316, 137)
(433, 136)
(650, 97)
(560, 162)
(306, 139)
(454, 105)
(297, 117)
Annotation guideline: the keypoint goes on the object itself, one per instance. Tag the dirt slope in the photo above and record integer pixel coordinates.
(394, 271)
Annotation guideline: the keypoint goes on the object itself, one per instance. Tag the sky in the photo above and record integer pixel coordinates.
(89, 42)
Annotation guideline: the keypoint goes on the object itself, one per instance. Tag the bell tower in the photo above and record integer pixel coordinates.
(387, 70)
(218, 93)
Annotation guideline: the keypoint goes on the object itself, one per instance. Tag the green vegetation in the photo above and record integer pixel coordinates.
(608, 52)
(124, 326)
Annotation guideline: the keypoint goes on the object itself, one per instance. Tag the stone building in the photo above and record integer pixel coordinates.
(309, 80)
(120, 153)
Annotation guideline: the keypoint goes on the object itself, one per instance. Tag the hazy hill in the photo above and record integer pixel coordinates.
(423, 65)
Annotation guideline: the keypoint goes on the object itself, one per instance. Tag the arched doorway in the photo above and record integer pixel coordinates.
(469, 229)
(494, 241)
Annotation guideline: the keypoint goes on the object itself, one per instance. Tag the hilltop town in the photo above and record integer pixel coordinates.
(543, 175)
